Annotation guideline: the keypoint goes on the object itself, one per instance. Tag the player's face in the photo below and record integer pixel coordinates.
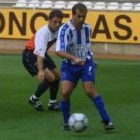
(79, 18)
(55, 23)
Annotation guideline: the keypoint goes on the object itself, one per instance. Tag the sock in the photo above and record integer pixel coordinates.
(54, 86)
(42, 87)
(101, 108)
(52, 101)
(34, 97)
(65, 108)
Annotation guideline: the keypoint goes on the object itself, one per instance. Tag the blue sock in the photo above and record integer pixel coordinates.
(65, 108)
(101, 108)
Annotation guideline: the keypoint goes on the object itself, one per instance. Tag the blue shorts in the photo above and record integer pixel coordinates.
(75, 72)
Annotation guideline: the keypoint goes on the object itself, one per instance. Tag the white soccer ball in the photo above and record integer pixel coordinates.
(78, 122)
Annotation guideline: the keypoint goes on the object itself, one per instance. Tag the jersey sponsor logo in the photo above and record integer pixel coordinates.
(80, 51)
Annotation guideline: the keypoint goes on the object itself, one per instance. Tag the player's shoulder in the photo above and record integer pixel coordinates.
(87, 25)
(43, 29)
(64, 27)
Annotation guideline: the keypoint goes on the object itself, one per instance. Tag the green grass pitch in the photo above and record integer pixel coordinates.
(118, 81)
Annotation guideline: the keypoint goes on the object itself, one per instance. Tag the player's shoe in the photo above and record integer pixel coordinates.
(108, 126)
(36, 103)
(65, 127)
(54, 106)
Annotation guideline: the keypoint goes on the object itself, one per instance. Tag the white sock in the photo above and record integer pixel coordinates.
(52, 101)
(34, 97)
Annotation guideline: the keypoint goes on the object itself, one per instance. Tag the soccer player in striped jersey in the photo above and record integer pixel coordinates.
(38, 62)
(73, 45)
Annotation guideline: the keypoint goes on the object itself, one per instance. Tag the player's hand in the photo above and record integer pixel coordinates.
(41, 76)
(79, 61)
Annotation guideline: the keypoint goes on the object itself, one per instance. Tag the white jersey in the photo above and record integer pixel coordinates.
(75, 42)
(42, 37)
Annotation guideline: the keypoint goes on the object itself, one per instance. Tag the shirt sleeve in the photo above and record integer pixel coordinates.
(41, 41)
(62, 40)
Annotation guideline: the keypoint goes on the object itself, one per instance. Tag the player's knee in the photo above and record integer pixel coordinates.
(51, 78)
(57, 77)
(88, 92)
(65, 94)
(56, 73)
(91, 93)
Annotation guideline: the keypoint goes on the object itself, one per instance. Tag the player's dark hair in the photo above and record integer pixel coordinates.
(55, 13)
(81, 7)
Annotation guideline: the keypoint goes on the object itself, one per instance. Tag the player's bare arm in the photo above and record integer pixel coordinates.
(66, 55)
(41, 73)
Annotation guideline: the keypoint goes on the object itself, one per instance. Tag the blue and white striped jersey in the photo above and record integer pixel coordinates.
(75, 42)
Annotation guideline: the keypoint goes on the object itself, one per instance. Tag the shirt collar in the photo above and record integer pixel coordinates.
(52, 32)
(72, 26)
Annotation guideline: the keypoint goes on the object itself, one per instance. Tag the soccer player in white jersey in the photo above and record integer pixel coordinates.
(38, 62)
(73, 45)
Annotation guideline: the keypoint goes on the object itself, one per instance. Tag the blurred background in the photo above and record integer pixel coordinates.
(126, 45)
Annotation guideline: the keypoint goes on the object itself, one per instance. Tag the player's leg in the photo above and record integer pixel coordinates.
(89, 87)
(99, 103)
(35, 98)
(42, 87)
(49, 75)
(40, 90)
(67, 88)
(29, 61)
(68, 83)
(54, 85)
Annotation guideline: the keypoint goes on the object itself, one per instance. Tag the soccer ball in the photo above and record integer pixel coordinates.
(78, 122)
